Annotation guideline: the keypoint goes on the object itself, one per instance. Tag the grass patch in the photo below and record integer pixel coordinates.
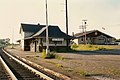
(91, 47)
(56, 64)
(59, 57)
(82, 73)
(51, 55)
(59, 65)
(74, 46)
(69, 70)
(102, 49)
(48, 56)
(44, 55)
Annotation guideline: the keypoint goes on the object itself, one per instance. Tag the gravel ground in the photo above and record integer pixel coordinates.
(79, 66)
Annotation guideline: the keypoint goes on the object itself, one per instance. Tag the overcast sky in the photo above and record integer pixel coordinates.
(99, 13)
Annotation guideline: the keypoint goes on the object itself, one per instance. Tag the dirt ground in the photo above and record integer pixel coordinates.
(79, 66)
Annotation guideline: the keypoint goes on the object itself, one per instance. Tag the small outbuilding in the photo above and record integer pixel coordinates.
(94, 37)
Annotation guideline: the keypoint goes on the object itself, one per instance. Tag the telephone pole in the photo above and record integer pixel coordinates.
(47, 36)
(66, 2)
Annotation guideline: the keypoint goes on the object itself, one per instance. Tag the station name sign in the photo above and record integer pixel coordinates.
(57, 39)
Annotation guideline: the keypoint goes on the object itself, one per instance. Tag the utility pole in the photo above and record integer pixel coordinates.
(13, 38)
(67, 22)
(47, 36)
(84, 28)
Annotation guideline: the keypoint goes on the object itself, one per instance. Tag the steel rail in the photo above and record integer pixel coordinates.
(8, 70)
(29, 67)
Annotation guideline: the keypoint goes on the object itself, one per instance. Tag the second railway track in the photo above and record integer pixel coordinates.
(21, 72)
(3, 73)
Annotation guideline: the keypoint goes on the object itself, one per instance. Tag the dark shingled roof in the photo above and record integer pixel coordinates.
(82, 34)
(89, 32)
(31, 27)
(40, 30)
(54, 32)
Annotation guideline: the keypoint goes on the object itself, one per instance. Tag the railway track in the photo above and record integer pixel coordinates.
(3, 72)
(21, 70)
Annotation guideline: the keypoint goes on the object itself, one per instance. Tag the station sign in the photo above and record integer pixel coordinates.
(57, 39)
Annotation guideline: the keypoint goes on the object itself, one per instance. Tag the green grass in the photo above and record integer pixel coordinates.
(56, 64)
(59, 57)
(51, 55)
(88, 47)
(91, 47)
(59, 65)
(82, 73)
(48, 56)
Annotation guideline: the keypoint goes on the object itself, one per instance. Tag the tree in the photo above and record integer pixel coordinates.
(4, 42)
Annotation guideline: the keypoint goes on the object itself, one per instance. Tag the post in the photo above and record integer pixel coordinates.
(67, 23)
(13, 38)
(47, 36)
(85, 24)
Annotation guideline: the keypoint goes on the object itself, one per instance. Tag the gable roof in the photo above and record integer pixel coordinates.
(40, 31)
(31, 27)
(53, 31)
(92, 31)
(82, 33)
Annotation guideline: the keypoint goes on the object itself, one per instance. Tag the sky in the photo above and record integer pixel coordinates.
(99, 13)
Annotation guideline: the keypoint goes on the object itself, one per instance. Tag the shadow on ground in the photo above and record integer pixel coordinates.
(96, 52)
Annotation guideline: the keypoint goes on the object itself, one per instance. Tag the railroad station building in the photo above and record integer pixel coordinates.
(94, 37)
(33, 37)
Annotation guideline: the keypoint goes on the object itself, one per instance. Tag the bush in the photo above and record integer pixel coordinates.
(49, 55)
